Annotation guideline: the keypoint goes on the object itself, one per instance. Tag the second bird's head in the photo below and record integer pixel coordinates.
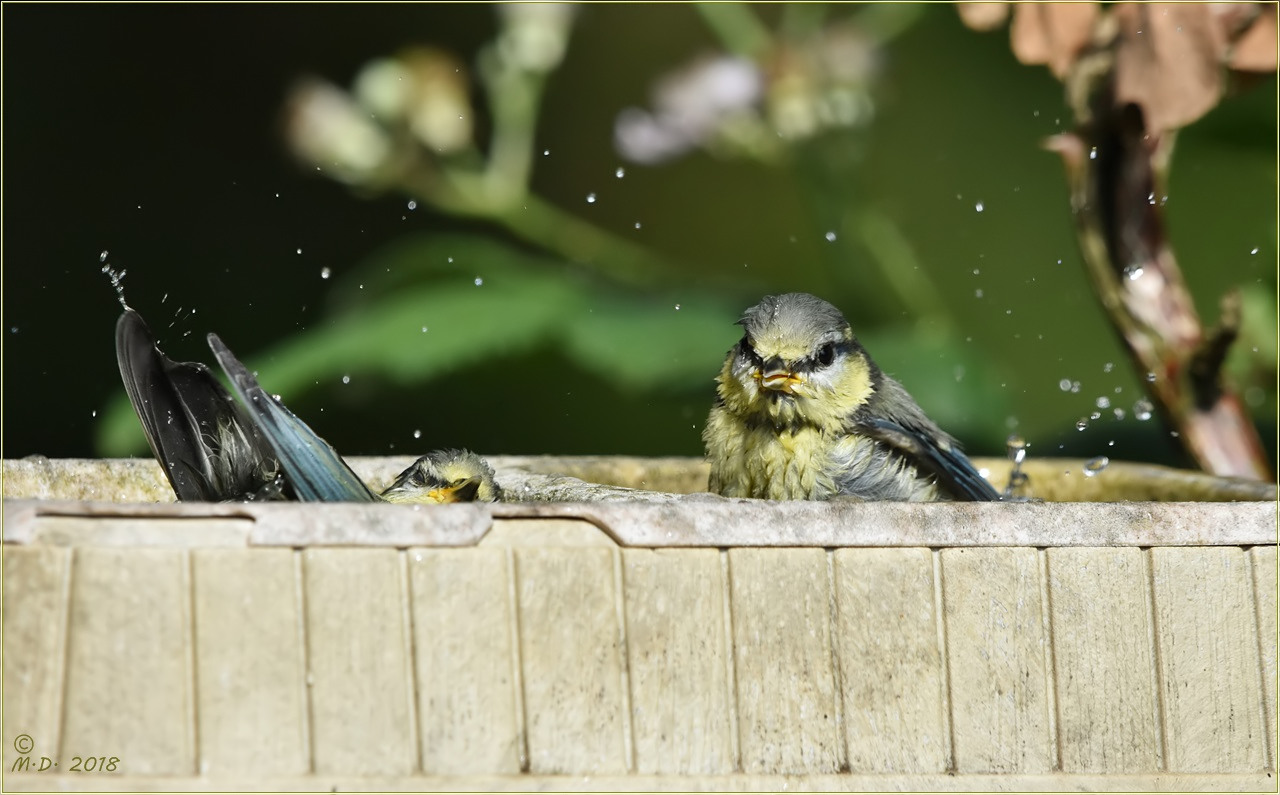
(797, 363)
(445, 476)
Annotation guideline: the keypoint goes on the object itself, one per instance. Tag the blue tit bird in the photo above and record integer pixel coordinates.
(213, 448)
(804, 413)
(445, 476)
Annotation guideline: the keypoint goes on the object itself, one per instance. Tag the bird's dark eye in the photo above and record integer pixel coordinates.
(827, 354)
(750, 353)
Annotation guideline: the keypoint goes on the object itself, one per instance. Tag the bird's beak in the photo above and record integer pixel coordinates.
(458, 491)
(780, 380)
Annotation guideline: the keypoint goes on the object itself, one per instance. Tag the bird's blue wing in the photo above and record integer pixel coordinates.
(314, 469)
(954, 472)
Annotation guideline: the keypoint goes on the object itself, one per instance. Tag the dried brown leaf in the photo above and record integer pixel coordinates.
(1255, 50)
(1169, 60)
(983, 16)
(1051, 33)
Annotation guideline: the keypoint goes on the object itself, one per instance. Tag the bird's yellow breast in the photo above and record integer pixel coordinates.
(759, 461)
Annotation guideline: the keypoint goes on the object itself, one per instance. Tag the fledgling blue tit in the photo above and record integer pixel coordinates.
(445, 476)
(803, 413)
(215, 449)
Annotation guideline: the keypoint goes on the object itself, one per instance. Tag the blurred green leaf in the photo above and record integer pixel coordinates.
(409, 261)
(510, 311)
(655, 343)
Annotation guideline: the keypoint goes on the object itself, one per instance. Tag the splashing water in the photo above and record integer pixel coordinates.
(1016, 447)
(1142, 410)
(1094, 466)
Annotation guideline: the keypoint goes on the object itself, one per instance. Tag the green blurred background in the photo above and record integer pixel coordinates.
(157, 134)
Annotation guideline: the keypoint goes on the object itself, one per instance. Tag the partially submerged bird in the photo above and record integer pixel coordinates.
(803, 413)
(213, 448)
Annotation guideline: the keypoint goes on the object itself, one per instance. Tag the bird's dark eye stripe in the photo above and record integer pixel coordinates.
(823, 357)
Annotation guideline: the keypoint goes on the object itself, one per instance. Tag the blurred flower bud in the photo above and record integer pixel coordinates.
(822, 85)
(326, 128)
(690, 108)
(426, 90)
(384, 86)
(534, 35)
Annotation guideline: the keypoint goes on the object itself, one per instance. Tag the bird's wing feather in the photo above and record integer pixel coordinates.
(195, 428)
(314, 469)
(956, 475)
(898, 421)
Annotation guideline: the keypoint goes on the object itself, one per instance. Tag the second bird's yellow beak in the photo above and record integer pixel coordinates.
(458, 491)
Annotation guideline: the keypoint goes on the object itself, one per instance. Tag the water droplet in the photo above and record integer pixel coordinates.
(103, 256)
(1017, 448)
(13, 329)
(1103, 402)
(677, 307)
(1075, 387)
(976, 271)
(830, 236)
(1134, 272)
(1093, 153)
(413, 205)
(1081, 424)
(546, 152)
(1093, 415)
(93, 413)
(346, 379)
(417, 434)
(979, 207)
(1119, 412)
(591, 198)
(299, 251)
(1151, 378)
(637, 224)
(1108, 367)
(479, 281)
(1065, 385)
(325, 273)
(1142, 410)
(1253, 250)
(620, 173)
(977, 293)
(1095, 465)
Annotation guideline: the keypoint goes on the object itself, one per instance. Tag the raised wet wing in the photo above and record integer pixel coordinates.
(208, 446)
(312, 468)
